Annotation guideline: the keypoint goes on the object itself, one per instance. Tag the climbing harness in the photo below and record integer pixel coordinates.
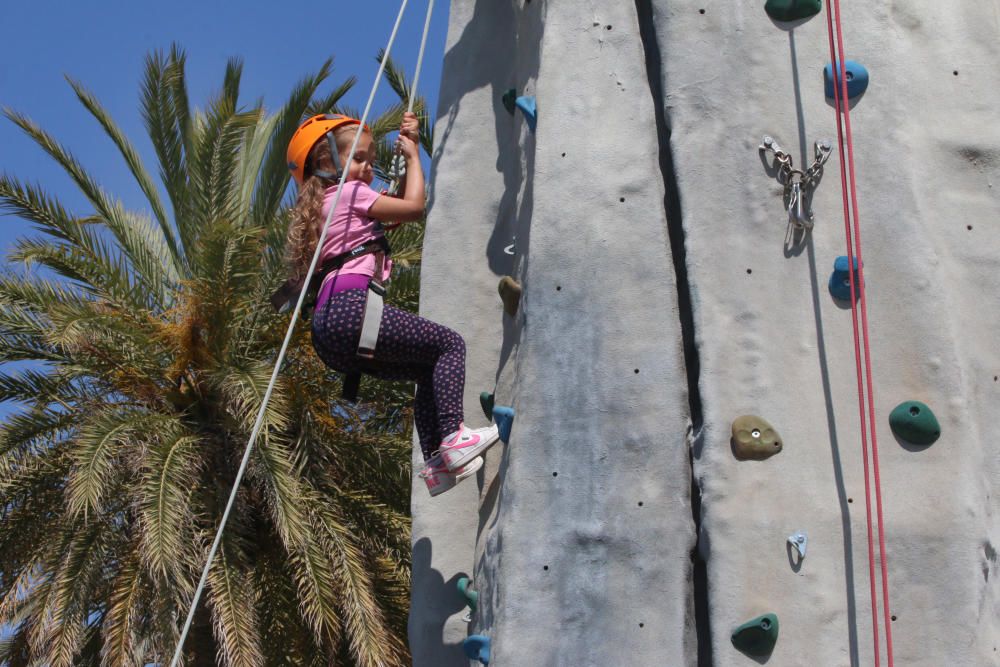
(290, 290)
(798, 184)
(255, 432)
(852, 232)
(373, 308)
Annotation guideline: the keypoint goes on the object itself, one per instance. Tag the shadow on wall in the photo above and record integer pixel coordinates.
(831, 420)
(499, 48)
(442, 601)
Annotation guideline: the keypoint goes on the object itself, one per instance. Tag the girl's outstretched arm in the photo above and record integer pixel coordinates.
(412, 204)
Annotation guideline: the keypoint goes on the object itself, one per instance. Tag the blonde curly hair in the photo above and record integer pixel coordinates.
(307, 214)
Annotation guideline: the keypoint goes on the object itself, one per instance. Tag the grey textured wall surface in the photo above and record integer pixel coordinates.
(644, 174)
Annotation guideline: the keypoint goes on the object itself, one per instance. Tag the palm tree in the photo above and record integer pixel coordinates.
(152, 341)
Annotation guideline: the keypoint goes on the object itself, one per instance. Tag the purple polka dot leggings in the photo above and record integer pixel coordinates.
(408, 348)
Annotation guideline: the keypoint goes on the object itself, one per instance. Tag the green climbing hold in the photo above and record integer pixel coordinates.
(508, 100)
(757, 637)
(915, 423)
(486, 401)
(754, 438)
(792, 10)
(510, 293)
(471, 596)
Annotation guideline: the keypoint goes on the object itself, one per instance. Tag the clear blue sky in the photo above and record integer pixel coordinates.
(103, 45)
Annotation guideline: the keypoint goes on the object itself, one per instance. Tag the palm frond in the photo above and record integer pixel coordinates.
(283, 489)
(122, 646)
(30, 385)
(135, 165)
(370, 644)
(397, 81)
(329, 102)
(146, 252)
(99, 272)
(97, 448)
(256, 142)
(67, 611)
(164, 109)
(319, 599)
(274, 175)
(233, 598)
(170, 474)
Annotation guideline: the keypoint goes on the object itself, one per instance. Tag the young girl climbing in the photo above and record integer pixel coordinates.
(408, 347)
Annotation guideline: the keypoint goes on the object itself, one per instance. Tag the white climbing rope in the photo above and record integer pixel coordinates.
(394, 187)
(295, 317)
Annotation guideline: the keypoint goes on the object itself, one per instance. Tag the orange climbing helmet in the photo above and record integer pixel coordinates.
(310, 132)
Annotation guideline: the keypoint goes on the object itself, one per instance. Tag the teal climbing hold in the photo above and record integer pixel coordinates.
(840, 279)
(792, 10)
(508, 100)
(504, 417)
(471, 596)
(529, 108)
(856, 75)
(486, 401)
(477, 647)
(915, 423)
(757, 637)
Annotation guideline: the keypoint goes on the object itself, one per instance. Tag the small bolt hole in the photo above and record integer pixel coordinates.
(621, 199)
(749, 271)
(850, 500)
(555, 474)
(850, 76)
(640, 503)
(642, 625)
(607, 27)
(914, 411)
(701, 11)
(955, 72)
(545, 567)
(996, 377)
(893, 617)
(637, 371)
(969, 227)
(777, 444)
(558, 288)
(564, 155)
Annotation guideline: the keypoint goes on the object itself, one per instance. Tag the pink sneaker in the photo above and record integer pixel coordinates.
(439, 479)
(465, 444)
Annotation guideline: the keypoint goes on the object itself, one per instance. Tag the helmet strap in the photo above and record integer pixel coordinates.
(338, 169)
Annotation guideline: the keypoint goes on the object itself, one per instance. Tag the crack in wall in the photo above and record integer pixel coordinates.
(692, 362)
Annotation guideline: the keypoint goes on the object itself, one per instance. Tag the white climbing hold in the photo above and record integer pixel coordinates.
(799, 540)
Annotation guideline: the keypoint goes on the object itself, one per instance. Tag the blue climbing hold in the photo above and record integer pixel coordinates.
(471, 596)
(856, 74)
(504, 417)
(477, 647)
(529, 108)
(840, 280)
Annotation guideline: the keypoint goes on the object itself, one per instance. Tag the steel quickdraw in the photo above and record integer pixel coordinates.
(798, 184)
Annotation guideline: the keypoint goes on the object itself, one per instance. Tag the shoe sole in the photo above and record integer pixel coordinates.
(472, 452)
(474, 466)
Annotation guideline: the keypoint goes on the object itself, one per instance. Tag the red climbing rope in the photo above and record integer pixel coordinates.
(865, 384)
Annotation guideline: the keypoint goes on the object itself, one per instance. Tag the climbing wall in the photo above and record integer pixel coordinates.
(651, 239)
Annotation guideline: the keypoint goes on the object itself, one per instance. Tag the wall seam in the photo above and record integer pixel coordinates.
(692, 362)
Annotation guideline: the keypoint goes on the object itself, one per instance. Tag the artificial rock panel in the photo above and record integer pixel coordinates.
(643, 173)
